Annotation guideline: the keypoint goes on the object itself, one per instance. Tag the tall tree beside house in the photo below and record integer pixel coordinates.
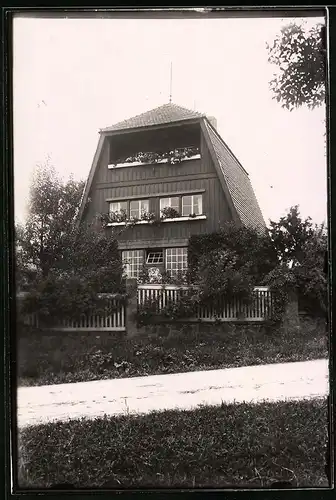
(300, 57)
(62, 266)
(290, 235)
(52, 208)
(300, 247)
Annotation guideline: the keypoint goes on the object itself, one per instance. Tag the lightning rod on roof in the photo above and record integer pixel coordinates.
(171, 82)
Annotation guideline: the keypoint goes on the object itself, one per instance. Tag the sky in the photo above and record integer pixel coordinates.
(72, 77)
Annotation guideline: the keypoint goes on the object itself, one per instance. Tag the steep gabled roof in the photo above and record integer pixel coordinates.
(237, 181)
(233, 177)
(168, 113)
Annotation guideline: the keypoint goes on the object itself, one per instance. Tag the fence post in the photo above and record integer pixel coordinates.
(131, 307)
(291, 319)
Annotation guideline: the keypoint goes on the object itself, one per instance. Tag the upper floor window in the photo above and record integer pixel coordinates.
(192, 205)
(118, 206)
(170, 203)
(139, 207)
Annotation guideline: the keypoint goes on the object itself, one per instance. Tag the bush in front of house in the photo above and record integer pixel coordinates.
(60, 357)
(62, 266)
(288, 257)
(239, 445)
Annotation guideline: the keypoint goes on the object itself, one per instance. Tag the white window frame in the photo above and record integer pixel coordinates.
(151, 252)
(136, 260)
(169, 200)
(118, 204)
(192, 196)
(175, 256)
(140, 210)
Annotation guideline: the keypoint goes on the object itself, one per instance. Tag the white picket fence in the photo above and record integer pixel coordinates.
(259, 310)
(114, 322)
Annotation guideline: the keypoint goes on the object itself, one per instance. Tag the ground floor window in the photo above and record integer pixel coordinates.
(176, 260)
(133, 261)
(154, 256)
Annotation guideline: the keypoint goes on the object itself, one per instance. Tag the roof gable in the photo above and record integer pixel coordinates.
(168, 113)
(233, 177)
(237, 181)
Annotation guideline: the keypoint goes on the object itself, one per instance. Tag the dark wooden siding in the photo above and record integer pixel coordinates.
(147, 180)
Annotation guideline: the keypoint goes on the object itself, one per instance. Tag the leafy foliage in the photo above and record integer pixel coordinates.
(227, 265)
(290, 235)
(90, 265)
(128, 222)
(169, 213)
(300, 56)
(220, 270)
(53, 206)
(251, 251)
(300, 247)
(171, 157)
(64, 267)
(180, 278)
(184, 307)
(221, 277)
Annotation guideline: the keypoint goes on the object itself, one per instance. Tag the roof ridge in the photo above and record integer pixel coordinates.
(154, 116)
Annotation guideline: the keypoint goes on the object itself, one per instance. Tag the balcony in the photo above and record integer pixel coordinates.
(175, 157)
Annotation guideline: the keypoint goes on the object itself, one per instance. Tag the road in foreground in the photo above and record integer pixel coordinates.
(253, 384)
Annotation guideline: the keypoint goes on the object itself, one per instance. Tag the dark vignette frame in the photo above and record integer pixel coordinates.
(7, 279)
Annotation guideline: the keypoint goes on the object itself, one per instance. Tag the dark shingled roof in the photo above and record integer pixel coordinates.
(238, 183)
(168, 113)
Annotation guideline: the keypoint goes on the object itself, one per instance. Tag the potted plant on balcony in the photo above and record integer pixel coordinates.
(148, 216)
(120, 216)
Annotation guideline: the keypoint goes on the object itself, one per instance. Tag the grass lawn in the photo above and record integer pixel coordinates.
(231, 445)
(73, 357)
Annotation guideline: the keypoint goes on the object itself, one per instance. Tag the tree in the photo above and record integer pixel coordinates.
(300, 247)
(289, 236)
(52, 208)
(63, 267)
(250, 249)
(89, 266)
(300, 56)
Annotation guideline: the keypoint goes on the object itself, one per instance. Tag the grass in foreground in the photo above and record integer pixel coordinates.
(231, 445)
(73, 357)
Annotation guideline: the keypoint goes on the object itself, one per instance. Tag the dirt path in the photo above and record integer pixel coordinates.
(274, 382)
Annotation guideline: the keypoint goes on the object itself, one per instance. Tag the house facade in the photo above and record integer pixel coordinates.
(161, 177)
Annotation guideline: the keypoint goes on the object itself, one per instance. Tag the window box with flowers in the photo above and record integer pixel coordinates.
(191, 208)
(116, 219)
(173, 157)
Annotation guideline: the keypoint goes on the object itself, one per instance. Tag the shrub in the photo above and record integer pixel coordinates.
(90, 265)
(252, 249)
